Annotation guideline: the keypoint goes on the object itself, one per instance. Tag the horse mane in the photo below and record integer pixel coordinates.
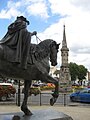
(42, 49)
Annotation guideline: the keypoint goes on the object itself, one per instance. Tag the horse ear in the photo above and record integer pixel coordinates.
(58, 45)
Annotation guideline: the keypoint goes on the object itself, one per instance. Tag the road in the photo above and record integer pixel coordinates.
(44, 99)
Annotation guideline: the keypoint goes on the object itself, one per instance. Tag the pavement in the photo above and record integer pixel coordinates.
(76, 112)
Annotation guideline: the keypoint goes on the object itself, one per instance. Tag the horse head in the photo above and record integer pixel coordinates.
(53, 53)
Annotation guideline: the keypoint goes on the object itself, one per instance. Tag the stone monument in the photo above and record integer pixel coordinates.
(64, 76)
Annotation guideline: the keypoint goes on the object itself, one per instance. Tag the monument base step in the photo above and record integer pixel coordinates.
(47, 114)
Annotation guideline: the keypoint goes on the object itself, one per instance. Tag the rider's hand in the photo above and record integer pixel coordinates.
(34, 33)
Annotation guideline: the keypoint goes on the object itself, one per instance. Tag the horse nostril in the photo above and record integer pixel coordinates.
(54, 64)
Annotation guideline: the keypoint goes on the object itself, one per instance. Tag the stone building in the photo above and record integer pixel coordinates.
(64, 76)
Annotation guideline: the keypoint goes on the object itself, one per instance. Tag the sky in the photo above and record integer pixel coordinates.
(48, 17)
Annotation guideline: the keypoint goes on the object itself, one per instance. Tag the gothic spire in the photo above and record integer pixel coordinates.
(64, 43)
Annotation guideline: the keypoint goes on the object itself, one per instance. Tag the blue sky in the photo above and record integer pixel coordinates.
(38, 22)
(47, 17)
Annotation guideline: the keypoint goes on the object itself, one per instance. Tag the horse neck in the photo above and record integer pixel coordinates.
(1, 51)
(43, 49)
(45, 45)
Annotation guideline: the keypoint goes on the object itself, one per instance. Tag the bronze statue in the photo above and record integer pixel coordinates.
(18, 38)
(38, 55)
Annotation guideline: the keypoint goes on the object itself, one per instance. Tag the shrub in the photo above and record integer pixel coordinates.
(7, 90)
(33, 90)
(47, 87)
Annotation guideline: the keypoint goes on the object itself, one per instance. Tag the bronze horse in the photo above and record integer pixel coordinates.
(39, 70)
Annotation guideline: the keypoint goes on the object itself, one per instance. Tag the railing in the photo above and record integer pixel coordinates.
(44, 99)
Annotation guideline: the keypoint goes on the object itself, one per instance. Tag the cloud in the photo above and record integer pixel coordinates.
(77, 29)
(9, 14)
(11, 10)
(38, 9)
(75, 14)
(82, 4)
(25, 7)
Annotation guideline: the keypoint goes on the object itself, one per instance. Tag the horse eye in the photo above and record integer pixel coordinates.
(57, 47)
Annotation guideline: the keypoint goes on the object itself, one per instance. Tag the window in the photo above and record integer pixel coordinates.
(88, 91)
(84, 91)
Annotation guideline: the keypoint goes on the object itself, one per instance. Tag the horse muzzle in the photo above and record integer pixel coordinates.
(54, 63)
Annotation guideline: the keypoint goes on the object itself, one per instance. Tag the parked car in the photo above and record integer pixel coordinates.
(6, 91)
(81, 96)
(35, 84)
(39, 84)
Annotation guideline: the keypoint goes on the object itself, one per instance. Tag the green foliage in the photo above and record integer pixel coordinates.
(73, 67)
(47, 88)
(34, 91)
(82, 72)
(7, 90)
(77, 71)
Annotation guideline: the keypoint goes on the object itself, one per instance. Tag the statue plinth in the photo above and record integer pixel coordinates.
(47, 114)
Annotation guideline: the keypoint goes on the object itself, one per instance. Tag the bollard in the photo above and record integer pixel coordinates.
(40, 99)
(64, 99)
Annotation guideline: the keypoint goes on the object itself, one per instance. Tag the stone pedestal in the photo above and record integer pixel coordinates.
(48, 114)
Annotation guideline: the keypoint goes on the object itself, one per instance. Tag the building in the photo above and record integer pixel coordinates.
(64, 76)
(52, 70)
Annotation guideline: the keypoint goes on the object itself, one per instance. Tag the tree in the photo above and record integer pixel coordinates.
(77, 71)
(73, 67)
(82, 72)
